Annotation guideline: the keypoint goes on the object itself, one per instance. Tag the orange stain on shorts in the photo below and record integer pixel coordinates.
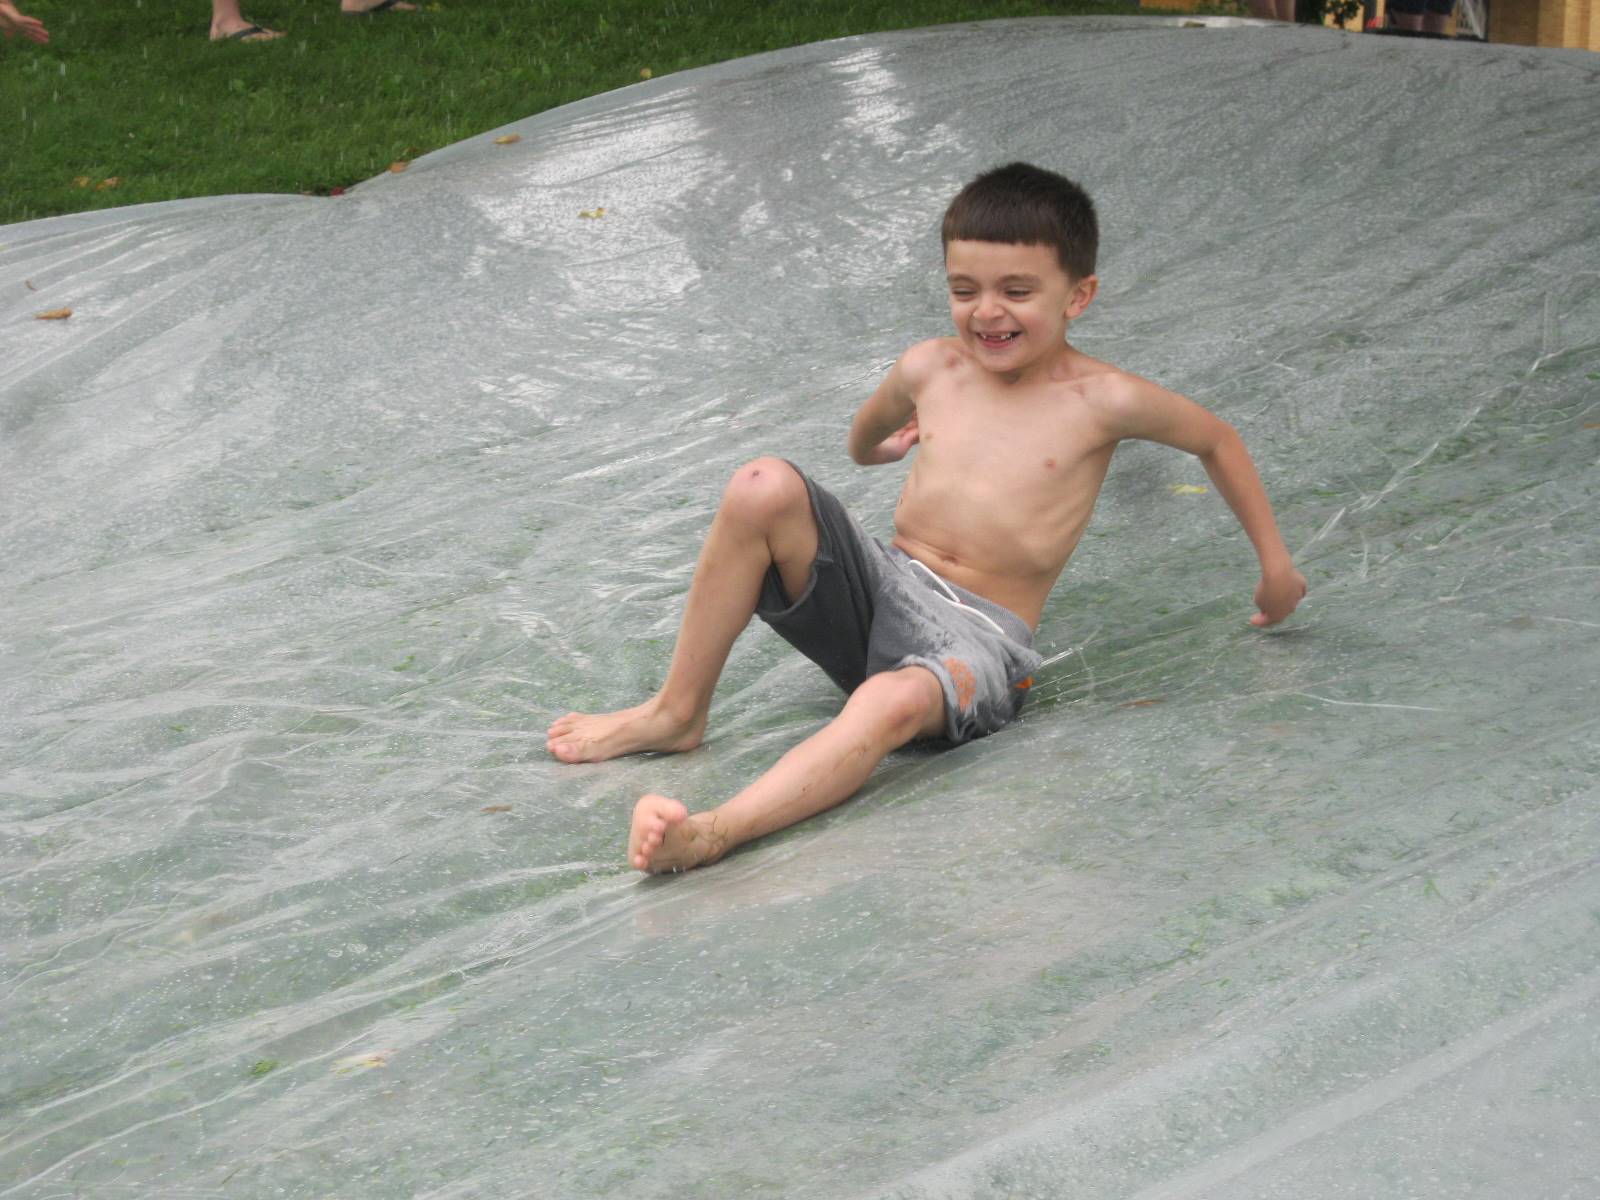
(966, 682)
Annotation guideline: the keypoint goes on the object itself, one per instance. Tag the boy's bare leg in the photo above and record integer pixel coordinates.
(885, 712)
(764, 520)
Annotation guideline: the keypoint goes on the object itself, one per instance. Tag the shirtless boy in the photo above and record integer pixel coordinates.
(930, 635)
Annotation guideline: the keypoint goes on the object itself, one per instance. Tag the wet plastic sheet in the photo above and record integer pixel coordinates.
(316, 512)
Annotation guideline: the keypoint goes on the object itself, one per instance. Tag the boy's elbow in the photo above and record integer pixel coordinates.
(859, 444)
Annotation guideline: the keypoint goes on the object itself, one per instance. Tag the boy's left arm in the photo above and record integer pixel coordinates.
(1145, 410)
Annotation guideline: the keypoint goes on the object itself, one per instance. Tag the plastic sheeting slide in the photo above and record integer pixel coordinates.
(316, 512)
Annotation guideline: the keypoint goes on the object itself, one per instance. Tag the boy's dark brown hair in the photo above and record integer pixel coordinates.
(1026, 205)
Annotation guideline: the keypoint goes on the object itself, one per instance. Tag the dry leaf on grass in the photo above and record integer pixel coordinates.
(81, 181)
(55, 314)
(645, 73)
(108, 183)
(396, 167)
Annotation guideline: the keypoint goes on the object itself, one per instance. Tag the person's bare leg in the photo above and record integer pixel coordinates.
(830, 766)
(764, 520)
(226, 20)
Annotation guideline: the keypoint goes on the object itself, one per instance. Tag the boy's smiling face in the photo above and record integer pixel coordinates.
(1011, 303)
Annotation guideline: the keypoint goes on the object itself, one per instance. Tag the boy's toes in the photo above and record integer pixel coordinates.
(570, 752)
(653, 816)
(652, 834)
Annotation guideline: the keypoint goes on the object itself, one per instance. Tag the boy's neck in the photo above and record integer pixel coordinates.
(1055, 365)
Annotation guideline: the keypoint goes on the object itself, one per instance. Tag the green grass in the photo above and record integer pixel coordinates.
(133, 89)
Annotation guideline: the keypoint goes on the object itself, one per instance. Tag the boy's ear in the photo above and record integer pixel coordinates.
(1082, 292)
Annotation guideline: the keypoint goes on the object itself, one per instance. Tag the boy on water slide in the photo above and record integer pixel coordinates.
(931, 635)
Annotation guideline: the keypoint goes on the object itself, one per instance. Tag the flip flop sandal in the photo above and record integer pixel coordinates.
(244, 34)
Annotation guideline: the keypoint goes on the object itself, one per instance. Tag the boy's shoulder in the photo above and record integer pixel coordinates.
(1103, 383)
(931, 356)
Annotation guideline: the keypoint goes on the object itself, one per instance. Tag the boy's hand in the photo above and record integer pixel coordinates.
(898, 444)
(13, 22)
(1277, 595)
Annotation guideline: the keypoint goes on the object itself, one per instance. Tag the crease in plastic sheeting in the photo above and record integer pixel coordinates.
(317, 512)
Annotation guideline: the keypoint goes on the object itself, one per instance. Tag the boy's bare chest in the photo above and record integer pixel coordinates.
(1039, 437)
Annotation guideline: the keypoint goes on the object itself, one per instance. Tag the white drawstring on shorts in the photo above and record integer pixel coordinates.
(947, 593)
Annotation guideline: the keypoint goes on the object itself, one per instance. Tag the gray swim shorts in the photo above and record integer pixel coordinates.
(870, 607)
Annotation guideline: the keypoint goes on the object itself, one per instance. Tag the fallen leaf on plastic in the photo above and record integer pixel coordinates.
(1593, 425)
(362, 1062)
(81, 181)
(396, 167)
(108, 183)
(55, 314)
(592, 214)
(336, 191)
(1145, 703)
(645, 72)
(507, 139)
(29, 282)
(1188, 489)
(494, 808)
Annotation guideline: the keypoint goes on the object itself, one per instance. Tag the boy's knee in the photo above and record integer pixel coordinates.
(765, 490)
(903, 704)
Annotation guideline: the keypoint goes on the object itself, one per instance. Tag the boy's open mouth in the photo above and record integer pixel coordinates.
(999, 339)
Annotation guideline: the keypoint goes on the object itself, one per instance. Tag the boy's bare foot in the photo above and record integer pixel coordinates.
(664, 837)
(595, 737)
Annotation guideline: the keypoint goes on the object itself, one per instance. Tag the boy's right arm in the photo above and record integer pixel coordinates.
(885, 428)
